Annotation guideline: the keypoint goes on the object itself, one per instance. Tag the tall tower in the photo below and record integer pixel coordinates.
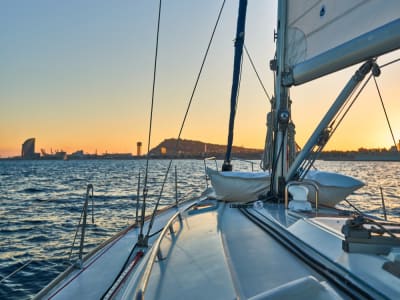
(139, 148)
(28, 149)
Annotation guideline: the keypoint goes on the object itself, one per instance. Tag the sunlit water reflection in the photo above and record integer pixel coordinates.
(41, 202)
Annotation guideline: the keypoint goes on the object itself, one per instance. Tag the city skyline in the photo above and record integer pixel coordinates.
(28, 150)
(78, 75)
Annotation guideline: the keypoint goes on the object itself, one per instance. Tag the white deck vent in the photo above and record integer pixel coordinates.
(299, 198)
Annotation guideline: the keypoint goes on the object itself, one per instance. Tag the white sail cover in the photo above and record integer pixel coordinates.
(317, 27)
(249, 186)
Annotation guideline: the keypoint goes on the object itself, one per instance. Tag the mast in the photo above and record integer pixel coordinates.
(282, 113)
(237, 63)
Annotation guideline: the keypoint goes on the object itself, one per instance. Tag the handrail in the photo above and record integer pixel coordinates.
(205, 167)
(301, 183)
(252, 163)
(155, 252)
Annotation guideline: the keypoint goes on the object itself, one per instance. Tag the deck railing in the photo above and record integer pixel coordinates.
(89, 195)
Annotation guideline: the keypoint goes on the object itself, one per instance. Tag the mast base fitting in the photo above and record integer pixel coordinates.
(283, 116)
(226, 166)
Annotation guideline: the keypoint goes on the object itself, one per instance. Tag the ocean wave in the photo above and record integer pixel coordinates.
(33, 190)
(42, 205)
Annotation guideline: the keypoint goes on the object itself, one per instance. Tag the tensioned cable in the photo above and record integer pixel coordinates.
(186, 114)
(353, 101)
(351, 104)
(386, 115)
(255, 70)
(389, 63)
(342, 116)
(151, 121)
(359, 92)
(308, 165)
(201, 70)
(346, 105)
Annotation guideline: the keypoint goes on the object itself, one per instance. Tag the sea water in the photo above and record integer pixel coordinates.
(41, 204)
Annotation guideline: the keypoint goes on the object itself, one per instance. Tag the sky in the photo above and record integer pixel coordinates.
(77, 75)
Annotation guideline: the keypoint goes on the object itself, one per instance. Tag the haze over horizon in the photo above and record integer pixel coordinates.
(77, 75)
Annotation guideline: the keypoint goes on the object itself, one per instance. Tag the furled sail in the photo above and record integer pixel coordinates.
(324, 36)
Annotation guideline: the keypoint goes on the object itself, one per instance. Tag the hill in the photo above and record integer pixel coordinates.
(198, 149)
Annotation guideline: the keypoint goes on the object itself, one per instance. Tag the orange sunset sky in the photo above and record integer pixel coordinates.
(78, 75)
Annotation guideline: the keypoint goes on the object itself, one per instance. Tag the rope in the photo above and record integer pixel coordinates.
(267, 159)
(291, 143)
(368, 220)
(275, 161)
(386, 115)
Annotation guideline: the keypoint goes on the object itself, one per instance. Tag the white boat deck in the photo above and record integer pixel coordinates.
(223, 251)
(221, 254)
(320, 232)
(100, 270)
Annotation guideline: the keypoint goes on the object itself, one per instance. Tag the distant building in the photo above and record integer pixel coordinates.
(139, 148)
(28, 149)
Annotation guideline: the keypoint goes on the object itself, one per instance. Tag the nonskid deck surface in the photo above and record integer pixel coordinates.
(319, 235)
(219, 251)
(100, 271)
(221, 254)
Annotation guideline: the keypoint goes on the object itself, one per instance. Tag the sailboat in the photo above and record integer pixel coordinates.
(275, 244)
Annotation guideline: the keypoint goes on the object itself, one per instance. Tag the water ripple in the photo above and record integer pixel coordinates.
(41, 203)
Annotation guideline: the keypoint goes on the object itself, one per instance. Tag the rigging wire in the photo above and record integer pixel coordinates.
(201, 69)
(150, 121)
(308, 164)
(390, 63)
(386, 115)
(343, 112)
(359, 92)
(185, 117)
(255, 70)
(349, 105)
